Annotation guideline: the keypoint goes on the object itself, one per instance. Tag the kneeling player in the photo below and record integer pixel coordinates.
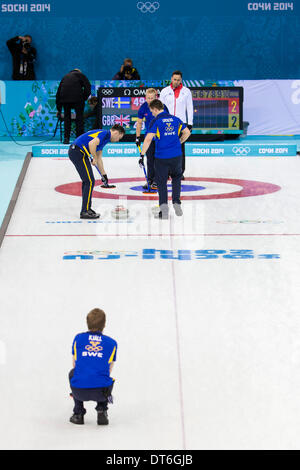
(93, 357)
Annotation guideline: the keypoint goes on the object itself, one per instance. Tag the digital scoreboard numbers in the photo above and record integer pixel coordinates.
(217, 110)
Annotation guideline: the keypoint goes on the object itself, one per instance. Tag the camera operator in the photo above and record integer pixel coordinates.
(127, 71)
(23, 55)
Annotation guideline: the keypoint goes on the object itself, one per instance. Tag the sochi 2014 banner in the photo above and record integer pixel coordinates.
(217, 38)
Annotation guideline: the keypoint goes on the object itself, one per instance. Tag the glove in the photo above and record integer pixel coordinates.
(138, 141)
(190, 127)
(141, 161)
(104, 180)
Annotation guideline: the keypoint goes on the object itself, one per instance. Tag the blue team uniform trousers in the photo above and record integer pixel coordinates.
(163, 168)
(102, 396)
(150, 162)
(82, 164)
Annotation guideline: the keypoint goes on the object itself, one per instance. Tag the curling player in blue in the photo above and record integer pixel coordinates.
(145, 114)
(89, 146)
(94, 355)
(169, 133)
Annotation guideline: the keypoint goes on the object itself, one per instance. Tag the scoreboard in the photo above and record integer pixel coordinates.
(217, 110)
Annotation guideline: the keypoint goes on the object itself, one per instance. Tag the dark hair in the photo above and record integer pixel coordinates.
(96, 320)
(177, 72)
(119, 128)
(157, 104)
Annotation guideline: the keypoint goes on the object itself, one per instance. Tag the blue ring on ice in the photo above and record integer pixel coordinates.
(185, 188)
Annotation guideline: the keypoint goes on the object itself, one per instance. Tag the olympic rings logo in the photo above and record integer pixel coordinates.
(107, 91)
(94, 346)
(241, 150)
(148, 7)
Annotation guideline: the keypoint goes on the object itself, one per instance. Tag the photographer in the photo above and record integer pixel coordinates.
(23, 55)
(127, 71)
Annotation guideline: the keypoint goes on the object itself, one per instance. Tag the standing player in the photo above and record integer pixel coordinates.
(179, 100)
(73, 90)
(92, 143)
(169, 133)
(93, 357)
(145, 113)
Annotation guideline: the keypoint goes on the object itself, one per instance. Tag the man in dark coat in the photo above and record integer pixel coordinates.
(74, 89)
(23, 55)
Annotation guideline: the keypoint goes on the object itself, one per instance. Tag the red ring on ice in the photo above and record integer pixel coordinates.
(248, 188)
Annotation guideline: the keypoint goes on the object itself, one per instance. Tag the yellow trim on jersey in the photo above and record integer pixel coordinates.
(112, 355)
(95, 134)
(91, 184)
(75, 351)
(157, 133)
(179, 129)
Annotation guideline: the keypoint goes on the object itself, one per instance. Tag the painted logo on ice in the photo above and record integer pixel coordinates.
(209, 190)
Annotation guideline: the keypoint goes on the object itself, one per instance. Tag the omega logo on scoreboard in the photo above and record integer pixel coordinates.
(139, 91)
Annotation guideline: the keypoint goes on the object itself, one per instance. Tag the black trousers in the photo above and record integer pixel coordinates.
(163, 168)
(101, 396)
(79, 122)
(183, 157)
(150, 162)
(84, 168)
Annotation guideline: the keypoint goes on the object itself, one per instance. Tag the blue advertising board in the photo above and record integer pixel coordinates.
(244, 148)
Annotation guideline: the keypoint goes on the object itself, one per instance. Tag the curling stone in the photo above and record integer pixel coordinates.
(155, 210)
(120, 212)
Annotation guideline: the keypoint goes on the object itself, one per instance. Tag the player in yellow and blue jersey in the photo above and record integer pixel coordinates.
(145, 114)
(91, 144)
(93, 357)
(169, 133)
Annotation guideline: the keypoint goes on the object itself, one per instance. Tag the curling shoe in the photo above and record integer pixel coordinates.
(90, 214)
(146, 185)
(177, 209)
(102, 417)
(163, 212)
(77, 419)
(161, 215)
